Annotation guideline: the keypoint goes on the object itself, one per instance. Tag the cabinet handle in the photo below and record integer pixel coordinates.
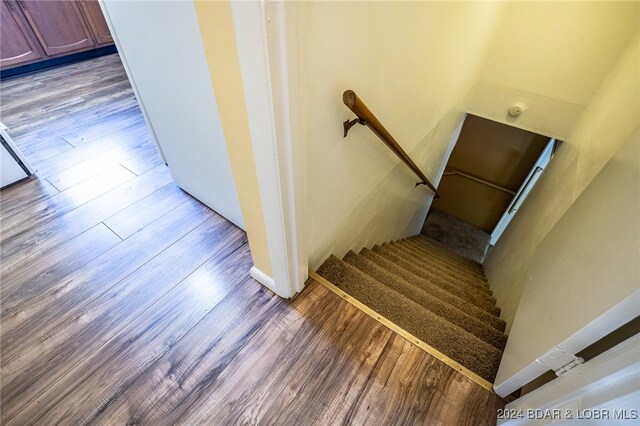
(9, 5)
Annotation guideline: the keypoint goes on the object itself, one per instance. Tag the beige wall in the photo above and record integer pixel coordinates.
(419, 67)
(216, 26)
(605, 124)
(583, 269)
(411, 63)
(553, 56)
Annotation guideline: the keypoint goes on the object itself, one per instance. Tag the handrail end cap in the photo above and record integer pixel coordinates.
(349, 98)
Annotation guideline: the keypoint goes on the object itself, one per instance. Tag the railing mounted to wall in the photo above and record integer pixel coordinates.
(454, 172)
(366, 118)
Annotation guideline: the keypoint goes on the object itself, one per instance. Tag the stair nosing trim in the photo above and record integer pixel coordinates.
(404, 333)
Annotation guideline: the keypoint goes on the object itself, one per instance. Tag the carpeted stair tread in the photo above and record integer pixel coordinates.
(432, 267)
(438, 307)
(453, 341)
(463, 276)
(444, 262)
(451, 288)
(435, 290)
(451, 283)
(454, 270)
(459, 291)
(436, 247)
(445, 252)
(449, 263)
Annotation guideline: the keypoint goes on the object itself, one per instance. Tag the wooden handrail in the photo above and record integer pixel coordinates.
(366, 117)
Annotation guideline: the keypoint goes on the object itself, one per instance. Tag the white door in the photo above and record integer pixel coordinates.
(166, 64)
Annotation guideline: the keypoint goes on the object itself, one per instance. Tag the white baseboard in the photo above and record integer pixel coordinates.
(263, 279)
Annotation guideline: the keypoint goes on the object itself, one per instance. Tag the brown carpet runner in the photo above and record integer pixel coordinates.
(439, 297)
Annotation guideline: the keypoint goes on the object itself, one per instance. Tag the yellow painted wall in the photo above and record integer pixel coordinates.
(580, 40)
(420, 67)
(411, 63)
(553, 56)
(608, 120)
(216, 27)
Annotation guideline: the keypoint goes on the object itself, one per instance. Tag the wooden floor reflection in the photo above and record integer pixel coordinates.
(126, 301)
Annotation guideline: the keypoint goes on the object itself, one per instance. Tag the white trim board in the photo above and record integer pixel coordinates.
(611, 320)
(608, 382)
(261, 42)
(263, 278)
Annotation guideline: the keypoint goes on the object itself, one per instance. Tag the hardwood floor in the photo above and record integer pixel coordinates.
(125, 301)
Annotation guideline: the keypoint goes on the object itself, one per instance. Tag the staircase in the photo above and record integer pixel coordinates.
(437, 296)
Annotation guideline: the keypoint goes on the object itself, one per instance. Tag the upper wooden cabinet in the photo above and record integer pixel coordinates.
(58, 25)
(17, 42)
(96, 21)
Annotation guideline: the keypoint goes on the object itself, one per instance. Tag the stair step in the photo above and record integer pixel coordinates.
(448, 338)
(444, 252)
(441, 308)
(436, 247)
(425, 258)
(437, 268)
(450, 263)
(435, 290)
(451, 288)
(469, 292)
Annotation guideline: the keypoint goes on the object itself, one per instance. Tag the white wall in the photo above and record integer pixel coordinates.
(411, 63)
(161, 47)
(584, 278)
(552, 56)
(605, 124)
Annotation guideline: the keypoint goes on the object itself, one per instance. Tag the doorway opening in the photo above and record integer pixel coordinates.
(489, 175)
(67, 106)
(79, 122)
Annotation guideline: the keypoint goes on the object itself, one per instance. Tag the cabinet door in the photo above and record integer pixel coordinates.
(96, 21)
(59, 25)
(17, 43)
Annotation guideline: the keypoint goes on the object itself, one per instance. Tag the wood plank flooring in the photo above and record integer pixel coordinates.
(125, 301)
